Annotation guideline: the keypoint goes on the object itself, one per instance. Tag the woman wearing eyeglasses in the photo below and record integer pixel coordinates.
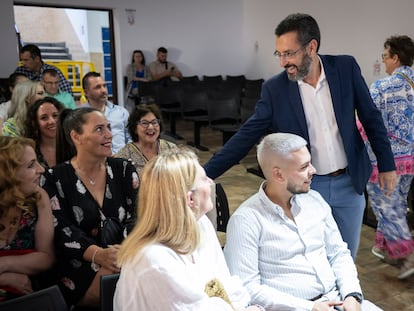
(144, 126)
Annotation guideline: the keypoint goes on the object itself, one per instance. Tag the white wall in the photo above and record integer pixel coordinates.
(355, 27)
(9, 50)
(218, 36)
(78, 19)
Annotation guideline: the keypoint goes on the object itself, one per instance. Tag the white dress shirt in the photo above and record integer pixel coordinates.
(160, 279)
(283, 263)
(326, 146)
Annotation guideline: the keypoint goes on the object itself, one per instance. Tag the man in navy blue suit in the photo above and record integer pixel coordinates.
(317, 97)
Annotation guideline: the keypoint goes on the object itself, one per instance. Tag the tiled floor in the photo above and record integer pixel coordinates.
(378, 279)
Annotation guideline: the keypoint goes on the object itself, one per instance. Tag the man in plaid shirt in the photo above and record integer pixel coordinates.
(33, 67)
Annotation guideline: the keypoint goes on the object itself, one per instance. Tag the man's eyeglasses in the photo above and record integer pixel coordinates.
(51, 82)
(384, 56)
(145, 123)
(289, 55)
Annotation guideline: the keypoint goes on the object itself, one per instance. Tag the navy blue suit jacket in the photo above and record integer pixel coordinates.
(280, 109)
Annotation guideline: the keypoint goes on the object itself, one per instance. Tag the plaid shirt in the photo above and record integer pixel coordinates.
(64, 85)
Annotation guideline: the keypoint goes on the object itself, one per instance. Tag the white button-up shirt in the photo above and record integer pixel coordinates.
(327, 148)
(283, 263)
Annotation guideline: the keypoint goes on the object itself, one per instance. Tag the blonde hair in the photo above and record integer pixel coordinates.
(22, 98)
(164, 215)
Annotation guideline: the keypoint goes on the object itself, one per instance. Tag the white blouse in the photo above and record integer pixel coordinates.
(160, 279)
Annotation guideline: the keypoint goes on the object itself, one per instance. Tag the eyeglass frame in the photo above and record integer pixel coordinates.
(146, 123)
(290, 55)
(51, 82)
(385, 55)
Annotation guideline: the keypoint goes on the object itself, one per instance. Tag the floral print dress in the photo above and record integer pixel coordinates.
(77, 219)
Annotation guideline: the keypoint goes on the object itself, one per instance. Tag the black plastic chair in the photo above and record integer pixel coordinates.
(194, 108)
(190, 81)
(211, 82)
(46, 299)
(237, 81)
(222, 206)
(169, 100)
(224, 115)
(108, 286)
(147, 91)
(252, 88)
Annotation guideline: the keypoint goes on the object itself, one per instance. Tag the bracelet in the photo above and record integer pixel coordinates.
(261, 308)
(95, 267)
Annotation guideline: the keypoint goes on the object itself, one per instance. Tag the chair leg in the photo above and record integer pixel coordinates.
(172, 133)
(197, 139)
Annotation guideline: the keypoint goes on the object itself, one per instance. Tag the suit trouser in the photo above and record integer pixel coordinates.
(346, 204)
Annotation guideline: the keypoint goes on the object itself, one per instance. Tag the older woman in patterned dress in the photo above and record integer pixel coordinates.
(394, 96)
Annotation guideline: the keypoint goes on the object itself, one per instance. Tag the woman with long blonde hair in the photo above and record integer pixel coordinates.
(172, 260)
(24, 95)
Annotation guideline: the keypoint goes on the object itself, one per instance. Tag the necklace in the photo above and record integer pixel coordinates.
(92, 181)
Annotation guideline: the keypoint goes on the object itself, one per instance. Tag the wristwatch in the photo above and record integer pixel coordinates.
(358, 296)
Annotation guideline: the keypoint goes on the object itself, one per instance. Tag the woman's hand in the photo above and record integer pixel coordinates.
(19, 281)
(107, 258)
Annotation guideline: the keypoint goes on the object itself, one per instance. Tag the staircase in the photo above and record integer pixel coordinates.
(53, 51)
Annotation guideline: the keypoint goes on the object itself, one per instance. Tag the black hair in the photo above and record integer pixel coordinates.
(162, 50)
(69, 120)
(403, 46)
(137, 113)
(33, 49)
(31, 126)
(142, 55)
(305, 25)
(85, 79)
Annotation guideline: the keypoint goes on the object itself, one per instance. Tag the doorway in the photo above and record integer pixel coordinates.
(80, 35)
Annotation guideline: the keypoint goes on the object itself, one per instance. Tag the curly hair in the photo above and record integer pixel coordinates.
(136, 115)
(11, 153)
(31, 124)
(403, 46)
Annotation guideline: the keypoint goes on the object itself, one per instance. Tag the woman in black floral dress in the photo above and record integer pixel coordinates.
(87, 186)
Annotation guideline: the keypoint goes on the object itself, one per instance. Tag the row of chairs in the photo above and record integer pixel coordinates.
(220, 104)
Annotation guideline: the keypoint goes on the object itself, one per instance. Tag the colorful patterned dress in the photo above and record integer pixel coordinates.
(394, 97)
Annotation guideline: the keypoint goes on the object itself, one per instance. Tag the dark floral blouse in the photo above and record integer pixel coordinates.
(77, 218)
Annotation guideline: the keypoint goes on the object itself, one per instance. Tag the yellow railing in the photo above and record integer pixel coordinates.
(74, 72)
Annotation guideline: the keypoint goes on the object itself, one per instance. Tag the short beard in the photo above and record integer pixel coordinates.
(302, 70)
(294, 189)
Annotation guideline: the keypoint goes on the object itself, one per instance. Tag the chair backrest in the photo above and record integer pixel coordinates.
(210, 82)
(253, 84)
(223, 111)
(108, 286)
(48, 299)
(247, 107)
(148, 88)
(169, 95)
(194, 102)
(192, 80)
(222, 206)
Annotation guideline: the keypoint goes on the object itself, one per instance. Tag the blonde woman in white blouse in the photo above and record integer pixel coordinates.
(172, 259)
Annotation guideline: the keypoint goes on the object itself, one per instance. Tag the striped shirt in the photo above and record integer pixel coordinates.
(283, 263)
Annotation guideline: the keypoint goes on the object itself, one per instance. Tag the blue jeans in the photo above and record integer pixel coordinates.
(346, 204)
